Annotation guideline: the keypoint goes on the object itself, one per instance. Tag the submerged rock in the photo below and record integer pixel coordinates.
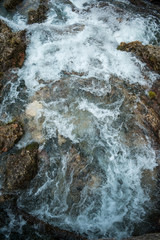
(80, 176)
(39, 15)
(34, 118)
(12, 48)
(147, 53)
(9, 135)
(21, 168)
(11, 4)
(31, 226)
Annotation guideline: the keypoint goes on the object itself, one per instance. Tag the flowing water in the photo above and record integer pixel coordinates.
(79, 105)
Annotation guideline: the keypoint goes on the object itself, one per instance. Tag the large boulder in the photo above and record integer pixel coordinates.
(9, 135)
(11, 4)
(148, 53)
(21, 168)
(12, 48)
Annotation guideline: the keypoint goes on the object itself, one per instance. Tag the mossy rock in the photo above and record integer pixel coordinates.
(152, 95)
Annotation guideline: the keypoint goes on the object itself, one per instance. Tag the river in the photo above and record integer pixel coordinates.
(92, 160)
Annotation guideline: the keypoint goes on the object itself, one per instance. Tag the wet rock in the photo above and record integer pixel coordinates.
(39, 15)
(76, 167)
(148, 111)
(34, 120)
(154, 236)
(11, 4)
(32, 227)
(138, 2)
(21, 168)
(79, 175)
(155, 2)
(61, 140)
(33, 108)
(142, 3)
(147, 53)
(12, 48)
(9, 135)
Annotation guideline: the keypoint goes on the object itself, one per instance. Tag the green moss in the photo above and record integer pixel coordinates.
(152, 94)
(33, 146)
(119, 47)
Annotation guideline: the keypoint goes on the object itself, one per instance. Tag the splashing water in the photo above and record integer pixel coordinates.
(90, 179)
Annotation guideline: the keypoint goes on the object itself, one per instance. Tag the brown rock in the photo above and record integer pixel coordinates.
(21, 168)
(147, 53)
(11, 4)
(148, 111)
(9, 135)
(154, 236)
(76, 166)
(12, 48)
(39, 15)
(138, 2)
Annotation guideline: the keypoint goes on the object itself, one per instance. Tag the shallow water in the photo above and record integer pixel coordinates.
(77, 106)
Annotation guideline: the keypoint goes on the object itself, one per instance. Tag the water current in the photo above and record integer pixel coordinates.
(79, 105)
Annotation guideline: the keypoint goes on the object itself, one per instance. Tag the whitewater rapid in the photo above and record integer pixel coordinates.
(70, 69)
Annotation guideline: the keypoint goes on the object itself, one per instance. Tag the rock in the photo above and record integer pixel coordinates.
(147, 53)
(35, 119)
(149, 118)
(79, 175)
(39, 15)
(21, 168)
(61, 140)
(153, 236)
(12, 48)
(141, 3)
(33, 108)
(11, 4)
(138, 2)
(155, 2)
(9, 135)
(148, 111)
(32, 227)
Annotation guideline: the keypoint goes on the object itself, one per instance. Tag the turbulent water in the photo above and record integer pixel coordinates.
(90, 178)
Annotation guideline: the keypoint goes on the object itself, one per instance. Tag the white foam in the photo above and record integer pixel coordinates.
(91, 50)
